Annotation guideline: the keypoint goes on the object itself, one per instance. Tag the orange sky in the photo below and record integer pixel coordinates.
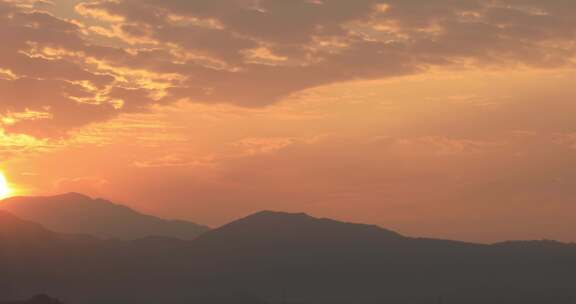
(442, 118)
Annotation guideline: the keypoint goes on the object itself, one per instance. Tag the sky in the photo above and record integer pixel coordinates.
(444, 118)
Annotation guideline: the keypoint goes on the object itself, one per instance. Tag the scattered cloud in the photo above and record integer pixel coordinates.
(114, 57)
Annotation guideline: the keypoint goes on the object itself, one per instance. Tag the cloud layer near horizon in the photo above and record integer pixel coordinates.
(60, 71)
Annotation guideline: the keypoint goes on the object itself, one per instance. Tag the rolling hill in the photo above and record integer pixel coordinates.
(75, 213)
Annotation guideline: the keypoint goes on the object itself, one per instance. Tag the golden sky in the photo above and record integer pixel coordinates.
(438, 118)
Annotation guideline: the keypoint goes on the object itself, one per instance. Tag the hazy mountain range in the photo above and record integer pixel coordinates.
(79, 214)
(275, 257)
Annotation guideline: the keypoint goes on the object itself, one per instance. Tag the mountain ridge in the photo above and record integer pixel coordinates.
(75, 213)
(319, 260)
(284, 230)
(14, 229)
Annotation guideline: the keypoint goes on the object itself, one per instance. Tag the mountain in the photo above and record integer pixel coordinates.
(281, 230)
(536, 244)
(14, 231)
(275, 257)
(75, 213)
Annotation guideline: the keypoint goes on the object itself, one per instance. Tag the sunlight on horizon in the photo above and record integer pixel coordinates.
(5, 191)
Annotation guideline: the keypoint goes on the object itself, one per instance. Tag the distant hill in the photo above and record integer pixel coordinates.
(14, 230)
(75, 213)
(281, 230)
(536, 244)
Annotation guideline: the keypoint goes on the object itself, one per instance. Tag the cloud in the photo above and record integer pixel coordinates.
(19, 145)
(123, 56)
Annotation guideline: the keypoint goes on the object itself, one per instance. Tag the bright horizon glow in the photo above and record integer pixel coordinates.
(4, 187)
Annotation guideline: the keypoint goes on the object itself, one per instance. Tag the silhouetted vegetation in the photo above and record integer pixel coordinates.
(39, 299)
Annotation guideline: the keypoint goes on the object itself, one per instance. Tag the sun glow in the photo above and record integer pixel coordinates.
(4, 187)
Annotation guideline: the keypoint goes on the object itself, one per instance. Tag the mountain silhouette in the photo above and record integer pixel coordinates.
(282, 230)
(14, 230)
(278, 257)
(279, 229)
(75, 213)
(536, 244)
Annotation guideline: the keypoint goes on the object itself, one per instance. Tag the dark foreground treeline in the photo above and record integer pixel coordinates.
(39, 299)
(44, 299)
(283, 258)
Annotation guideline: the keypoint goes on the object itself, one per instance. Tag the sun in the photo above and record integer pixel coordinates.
(4, 187)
